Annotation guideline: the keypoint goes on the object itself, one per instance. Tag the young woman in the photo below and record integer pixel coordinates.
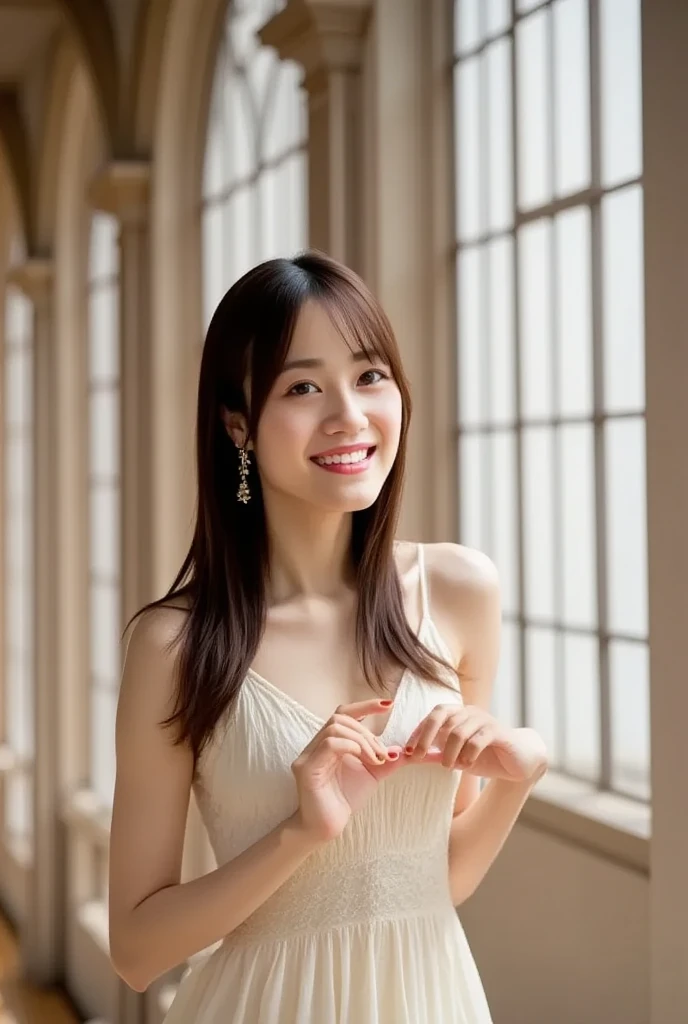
(324, 689)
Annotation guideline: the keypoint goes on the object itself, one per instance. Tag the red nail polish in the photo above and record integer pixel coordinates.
(408, 750)
(386, 703)
(392, 755)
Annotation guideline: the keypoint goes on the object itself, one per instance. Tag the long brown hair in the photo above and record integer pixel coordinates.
(223, 577)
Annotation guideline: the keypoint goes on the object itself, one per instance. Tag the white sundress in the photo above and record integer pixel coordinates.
(365, 931)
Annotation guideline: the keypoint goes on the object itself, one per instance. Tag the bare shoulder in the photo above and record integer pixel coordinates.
(464, 594)
(456, 571)
(149, 680)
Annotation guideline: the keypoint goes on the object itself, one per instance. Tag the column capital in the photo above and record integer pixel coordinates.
(34, 277)
(320, 35)
(123, 189)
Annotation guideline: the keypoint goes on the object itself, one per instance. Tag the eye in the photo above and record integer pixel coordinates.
(373, 377)
(301, 388)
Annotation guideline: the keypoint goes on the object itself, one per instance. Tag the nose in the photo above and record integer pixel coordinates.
(346, 415)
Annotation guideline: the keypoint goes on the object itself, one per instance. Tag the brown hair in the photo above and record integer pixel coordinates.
(222, 578)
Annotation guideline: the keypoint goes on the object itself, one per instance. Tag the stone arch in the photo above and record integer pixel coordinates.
(93, 29)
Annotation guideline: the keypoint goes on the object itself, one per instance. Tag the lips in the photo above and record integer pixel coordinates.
(348, 460)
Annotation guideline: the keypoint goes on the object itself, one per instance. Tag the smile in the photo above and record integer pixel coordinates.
(347, 462)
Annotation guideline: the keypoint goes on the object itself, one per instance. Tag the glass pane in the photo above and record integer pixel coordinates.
(104, 333)
(105, 538)
(214, 167)
(506, 692)
(282, 127)
(536, 319)
(471, 334)
(542, 699)
(621, 111)
(297, 172)
(498, 15)
(538, 527)
(103, 711)
(105, 625)
(626, 526)
(577, 481)
(526, 5)
(467, 112)
(582, 706)
(630, 714)
(624, 314)
(104, 254)
(214, 266)
(18, 386)
(18, 316)
(574, 312)
(466, 24)
(240, 142)
(273, 211)
(502, 381)
(105, 434)
(503, 502)
(18, 472)
(500, 196)
(473, 510)
(19, 806)
(533, 127)
(242, 223)
(571, 96)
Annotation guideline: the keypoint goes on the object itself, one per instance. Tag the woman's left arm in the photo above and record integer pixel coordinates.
(470, 738)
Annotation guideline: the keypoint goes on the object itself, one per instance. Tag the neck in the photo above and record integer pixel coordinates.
(310, 551)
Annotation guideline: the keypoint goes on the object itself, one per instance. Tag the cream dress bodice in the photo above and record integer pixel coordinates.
(364, 932)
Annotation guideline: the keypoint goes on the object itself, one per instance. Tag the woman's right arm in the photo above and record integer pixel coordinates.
(157, 922)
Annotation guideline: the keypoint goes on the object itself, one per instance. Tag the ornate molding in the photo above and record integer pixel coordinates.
(123, 189)
(320, 35)
(34, 277)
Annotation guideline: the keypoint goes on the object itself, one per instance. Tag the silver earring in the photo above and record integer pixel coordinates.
(243, 494)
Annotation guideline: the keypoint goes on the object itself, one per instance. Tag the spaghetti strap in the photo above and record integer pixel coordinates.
(424, 603)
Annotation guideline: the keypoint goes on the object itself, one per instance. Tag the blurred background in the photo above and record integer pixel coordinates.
(510, 178)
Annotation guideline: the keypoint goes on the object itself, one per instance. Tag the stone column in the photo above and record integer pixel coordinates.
(122, 188)
(42, 931)
(327, 38)
(665, 158)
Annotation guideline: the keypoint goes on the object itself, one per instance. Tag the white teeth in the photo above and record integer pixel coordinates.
(345, 458)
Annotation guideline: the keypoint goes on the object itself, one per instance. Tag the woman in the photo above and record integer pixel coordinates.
(322, 687)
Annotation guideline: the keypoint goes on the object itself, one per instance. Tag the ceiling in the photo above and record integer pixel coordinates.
(25, 27)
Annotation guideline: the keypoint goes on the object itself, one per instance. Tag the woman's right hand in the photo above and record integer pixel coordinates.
(340, 768)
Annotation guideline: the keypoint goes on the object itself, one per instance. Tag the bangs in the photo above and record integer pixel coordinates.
(361, 326)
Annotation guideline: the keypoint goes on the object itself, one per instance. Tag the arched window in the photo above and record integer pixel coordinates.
(551, 371)
(104, 497)
(18, 598)
(254, 184)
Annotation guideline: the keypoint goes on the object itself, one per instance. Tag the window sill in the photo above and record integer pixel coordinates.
(612, 826)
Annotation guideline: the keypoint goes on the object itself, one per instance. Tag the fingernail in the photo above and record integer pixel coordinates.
(408, 750)
(386, 703)
(392, 755)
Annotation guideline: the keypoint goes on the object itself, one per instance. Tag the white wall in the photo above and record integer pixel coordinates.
(561, 935)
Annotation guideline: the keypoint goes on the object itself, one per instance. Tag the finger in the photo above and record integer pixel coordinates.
(460, 741)
(474, 747)
(441, 709)
(375, 752)
(425, 735)
(363, 730)
(363, 708)
(331, 748)
(394, 761)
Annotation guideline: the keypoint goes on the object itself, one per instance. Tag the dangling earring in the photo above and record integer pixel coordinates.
(243, 494)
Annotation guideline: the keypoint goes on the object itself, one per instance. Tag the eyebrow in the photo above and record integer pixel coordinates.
(309, 364)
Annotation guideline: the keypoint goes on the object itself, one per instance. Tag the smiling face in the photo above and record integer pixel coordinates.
(329, 431)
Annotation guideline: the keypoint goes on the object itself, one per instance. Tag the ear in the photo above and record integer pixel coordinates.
(236, 426)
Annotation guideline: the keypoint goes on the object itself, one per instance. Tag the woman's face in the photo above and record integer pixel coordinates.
(329, 432)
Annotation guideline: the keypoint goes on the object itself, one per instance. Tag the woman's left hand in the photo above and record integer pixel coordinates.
(470, 739)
